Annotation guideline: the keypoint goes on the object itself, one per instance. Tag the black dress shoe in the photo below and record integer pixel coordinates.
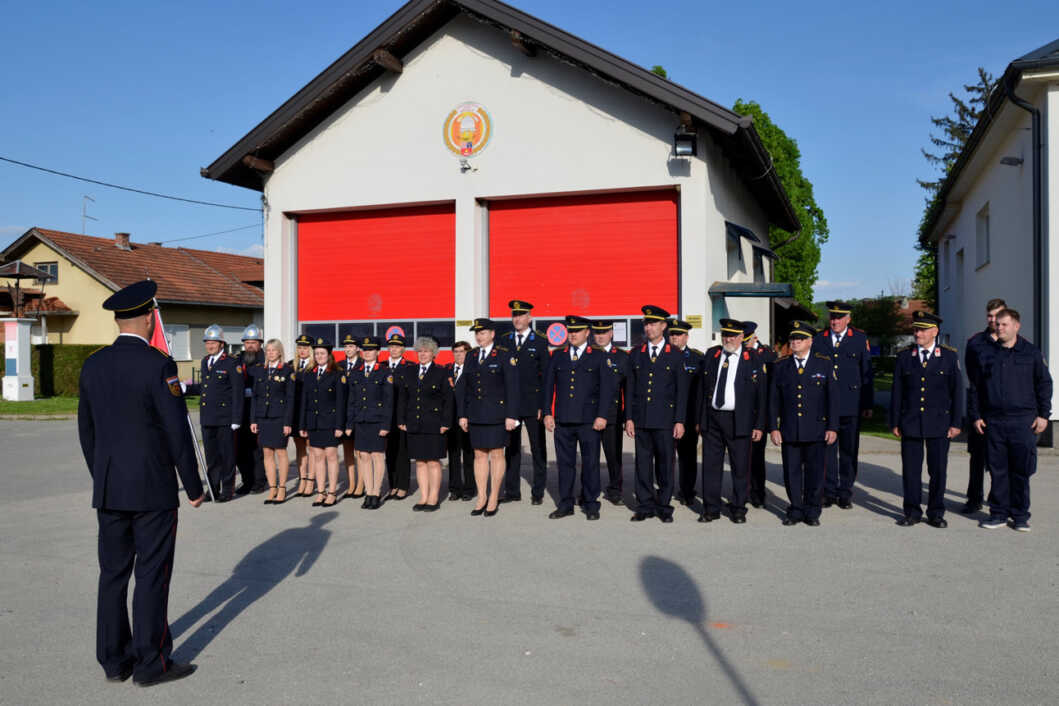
(591, 515)
(537, 501)
(418, 507)
(788, 521)
(121, 676)
(243, 490)
(970, 508)
(666, 519)
(431, 508)
(708, 517)
(560, 514)
(174, 672)
(739, 519)
(490, 513)
(477, 512)
(757, 503)
(640, 516)
(454, 496)
(940, 523)
(511, 499)
(908, 521)
(845, 503)
(615, 500)
(395, 496)
(828, 501)
(683, 500)
(813, 523)
(366, 505)
(224, 498)
(469, 495)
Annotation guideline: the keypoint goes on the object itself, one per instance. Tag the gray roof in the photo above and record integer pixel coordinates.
(418, 19)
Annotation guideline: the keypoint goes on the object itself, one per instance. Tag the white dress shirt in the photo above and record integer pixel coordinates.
(579, 350)
(729, 383)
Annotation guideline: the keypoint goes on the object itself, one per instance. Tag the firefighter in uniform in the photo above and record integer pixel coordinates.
(531, 354)
(850, 356)
(461, 455)
(351, 365)
(926, 409)
(249, 458)
(618, 367)
(767, 357)
(398, 466)
(803, 421)
(657, 390)
(688, 445)
(300, 364)
(220, 411)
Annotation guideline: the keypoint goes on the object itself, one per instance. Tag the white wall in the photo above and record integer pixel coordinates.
(556, 129)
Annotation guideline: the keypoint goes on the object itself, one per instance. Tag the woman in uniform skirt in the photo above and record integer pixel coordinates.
(369, 413)
(271, 416)
(323, 412)
(300, 365)
(424, 408)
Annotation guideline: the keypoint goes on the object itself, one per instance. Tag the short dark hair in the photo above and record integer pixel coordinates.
(995, 304)
(461, 344)
(1010, 313)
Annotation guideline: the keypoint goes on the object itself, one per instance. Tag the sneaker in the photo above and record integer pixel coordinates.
(992, 523)
(1020, 526)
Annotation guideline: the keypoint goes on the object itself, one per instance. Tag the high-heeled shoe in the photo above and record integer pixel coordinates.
(310, 489)
(318, 503)
(361, 494)
(302, 482)
(490, 513)
(366, 505)
(431, 508)
(477, 511)
(272, 495)
(419, 507)
(334, 499)
(278, 501)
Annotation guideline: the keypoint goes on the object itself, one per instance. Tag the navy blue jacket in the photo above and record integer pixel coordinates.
(693, 365)
(133, 426)
(578, 393)
(971, 352)
(248, 382)
(298, 376)
(925, 401)
(424, 406)
(851, 362)
(371, 397)
(618, 366)
(273, 394)
(1010, 382)
(323, 403)
(491, 390)
(751, 391)
(400, 373)
(532, 361)
(221, 395)
(657, 393)
(803, 407)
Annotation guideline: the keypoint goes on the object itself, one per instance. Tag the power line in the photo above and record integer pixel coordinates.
(127, 188)
(206, 235)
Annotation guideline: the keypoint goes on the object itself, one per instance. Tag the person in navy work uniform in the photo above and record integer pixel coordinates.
(220, 411)
(272, 417)
(133, 428)
(249, 457)
(657, 391)
(531, 353)
(688, 445)
(398, 466)
(461, 455)
(322, 416)
(577, 396)
(487, 409)
(926, 409)
(1010, 402)
(730, 414)
(850, 354)
(368, 414)
(766, 357)
(300, 364)
(424, 412)
(803, 421)
(618, 366)
(352, 363)
(976, 447)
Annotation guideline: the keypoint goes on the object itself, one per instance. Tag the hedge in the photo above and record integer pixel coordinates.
(57, 368)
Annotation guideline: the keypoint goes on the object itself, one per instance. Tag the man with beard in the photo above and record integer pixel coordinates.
(976, 442)
(249, 457)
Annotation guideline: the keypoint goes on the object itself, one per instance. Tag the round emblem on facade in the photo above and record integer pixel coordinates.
(556, 334)
(467, 129)
(394, 330)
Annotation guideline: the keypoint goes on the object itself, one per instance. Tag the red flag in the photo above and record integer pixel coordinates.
(158, 339)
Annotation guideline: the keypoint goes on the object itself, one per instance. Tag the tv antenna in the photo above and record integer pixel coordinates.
(85, 198)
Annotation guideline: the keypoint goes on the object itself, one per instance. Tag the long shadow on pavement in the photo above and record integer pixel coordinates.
(264, 567)
(673, 592)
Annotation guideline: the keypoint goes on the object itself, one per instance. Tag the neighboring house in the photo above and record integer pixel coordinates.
(465, 153)
(906, 307)
(195, 288)
(996, 228)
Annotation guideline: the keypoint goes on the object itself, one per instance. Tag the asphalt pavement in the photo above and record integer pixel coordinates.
(294, 604)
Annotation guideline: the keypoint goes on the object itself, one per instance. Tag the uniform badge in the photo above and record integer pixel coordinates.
(343, 379)
(514, 361)
(174, 385)
(389, 378)
(239, 369)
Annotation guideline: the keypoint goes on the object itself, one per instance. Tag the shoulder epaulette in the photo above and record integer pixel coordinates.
(950, 348)
(822, 356)
(696, 351)
(501, 348)
(783, 357)
(161, 352)
(540, 333)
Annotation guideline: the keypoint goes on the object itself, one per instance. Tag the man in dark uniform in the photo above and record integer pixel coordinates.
(461, 455)
(398, 467)
(249, 457)
(1010, 402)
(133, 427)
(730, 413)
(352, 364)
(657, 390)
(618, 367)
(926, 409)
(220, 411)
(976, 448)
(577, 395)
(766, 356)
(531, 352)
(803, 421)
(850, 356)
(688, 445)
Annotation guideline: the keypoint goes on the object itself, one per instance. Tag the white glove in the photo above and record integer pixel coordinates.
(183, 387)
(234, 427)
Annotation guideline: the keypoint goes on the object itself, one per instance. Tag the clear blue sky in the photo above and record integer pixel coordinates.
(143, 94)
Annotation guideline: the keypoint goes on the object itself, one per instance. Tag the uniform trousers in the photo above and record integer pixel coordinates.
(568, 437)
(398, 467)
(842, 459)
(249, 458)
(1012, 448)
(513, 457)
(219, 446)
(912, 475)
(757, 470)
(718, 437)
(688, 462)
(976, 447)
(144, 542)
(611, 439)
(803, 476)
(654, 465)
(461, 461)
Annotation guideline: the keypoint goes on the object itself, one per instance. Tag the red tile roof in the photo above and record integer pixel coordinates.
(182, 274)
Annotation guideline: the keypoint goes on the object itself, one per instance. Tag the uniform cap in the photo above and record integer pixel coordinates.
(303, 340)
(253, 333)
(749, 328)
(800, 329)
(349, 339)
(924, 319)
(654, 313)
(679, 326)
(213, 332)
(602, 326)
(731, 327)
(575, 323)
(519, 307)
(838, 309)
(322, 342)
(395, 339)
(135, 300)
(369, 343)
(483, 324)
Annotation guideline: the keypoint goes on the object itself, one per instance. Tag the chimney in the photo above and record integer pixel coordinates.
(121, 241)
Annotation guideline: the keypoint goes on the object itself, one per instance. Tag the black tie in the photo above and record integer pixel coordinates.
(481, 356)
(422, 371)
(923, 355)
(518, 346)
(654, 353)
(458, 369)
(722, 383)
(209, 368)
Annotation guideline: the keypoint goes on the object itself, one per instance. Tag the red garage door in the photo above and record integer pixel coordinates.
(602, 255)
(395, 263)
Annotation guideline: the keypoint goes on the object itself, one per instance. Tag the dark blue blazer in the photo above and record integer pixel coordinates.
(803, 407)
(490, 390)
(323, 403)
(751, 396)
(298, 376)
(618, 367)
(926, 400)
(248, 382)
(220, 392)
(1010, 382)
(693, 363)
(578, 393)
(424, 406)
(851, 362)
(133, 426)
(371, 397)
(657, 393)
(531, 363)
(273, 394)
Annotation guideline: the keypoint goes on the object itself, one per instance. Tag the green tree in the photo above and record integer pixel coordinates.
(947, 145)
(880, 317)
(799, 253)
(659, 70)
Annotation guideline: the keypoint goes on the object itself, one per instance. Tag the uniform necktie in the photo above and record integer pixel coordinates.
(481, 356)
(722, 383)
(319, 373)
(801, 365)
(367, 370)
(518, 345)
(654, 353)
(573, 351)
(422, 371)
(923, 355)
(209, 368)
(459, 369)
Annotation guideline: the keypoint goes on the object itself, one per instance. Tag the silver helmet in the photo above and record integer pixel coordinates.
(213, 333)
(253, 333)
